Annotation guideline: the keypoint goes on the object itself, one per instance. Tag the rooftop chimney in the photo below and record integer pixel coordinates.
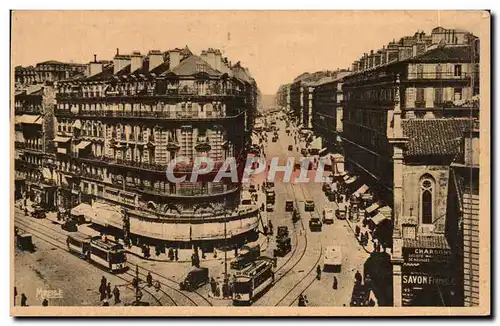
(155, 59)
(211, 58)
(136, 61)
(95, 67)
(120, 61)
(218, 60)
(175, 58)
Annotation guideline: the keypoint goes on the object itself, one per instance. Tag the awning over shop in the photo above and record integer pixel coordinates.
(317, 143)
(378, 218)
(77, 124)
(46, 173)
(351, 180)
(83, 209)
(83, 144)
(31, 119)
(372, 208)
(214, 231)
(59, 139)
(106, 215)
(154, 228)
(361, 190)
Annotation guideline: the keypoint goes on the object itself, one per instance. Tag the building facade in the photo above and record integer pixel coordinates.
(463, 217)
(327, 111)
(48, 71)
(33, 150)
(405, 106)
(119, 128)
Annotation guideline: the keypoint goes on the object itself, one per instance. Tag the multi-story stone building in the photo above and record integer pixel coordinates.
(48, 71)
(33, 150)
(301, 95)
(463, 218)
(283, 97)
(327, 112)
(405, 106)
(119, 127)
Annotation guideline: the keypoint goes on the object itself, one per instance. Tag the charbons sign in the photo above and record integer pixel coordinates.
(426, 255)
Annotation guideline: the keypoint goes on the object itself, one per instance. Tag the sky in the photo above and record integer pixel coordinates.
(276, 46)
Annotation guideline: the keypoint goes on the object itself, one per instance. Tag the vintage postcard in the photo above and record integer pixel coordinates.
(250, 163)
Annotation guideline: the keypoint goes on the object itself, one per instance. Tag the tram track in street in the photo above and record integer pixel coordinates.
(302, 254)
(57, 243)
(163, 282)
(305, 234)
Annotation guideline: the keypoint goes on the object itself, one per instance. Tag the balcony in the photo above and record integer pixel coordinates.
(429, 76)
(91, 176)
(211, 190)
(25, 164)
(152, 167)
(28, 109)
(178, 92)
(149, 115)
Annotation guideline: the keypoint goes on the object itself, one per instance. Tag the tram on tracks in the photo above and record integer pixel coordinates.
(251, 282)
(107, 254)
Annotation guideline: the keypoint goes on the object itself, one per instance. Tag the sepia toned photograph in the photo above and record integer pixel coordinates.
(250, 163)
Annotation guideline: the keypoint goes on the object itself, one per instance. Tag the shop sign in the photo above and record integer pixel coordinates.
(426, 255)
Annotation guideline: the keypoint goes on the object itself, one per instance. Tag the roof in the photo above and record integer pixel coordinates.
(189, 66)
(330, 79)
(445, 54)
(437, 137)
(428, 242)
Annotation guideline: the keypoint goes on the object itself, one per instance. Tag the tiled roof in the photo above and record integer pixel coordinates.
(445, 54)
(428, 242)
(437, 137)
(189, 66)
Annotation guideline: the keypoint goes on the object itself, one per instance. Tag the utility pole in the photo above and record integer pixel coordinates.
(225, 239)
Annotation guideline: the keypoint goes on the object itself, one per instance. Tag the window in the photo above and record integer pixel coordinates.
(457, 71)
(457, 94)
(427, 200)
(439, 71)
(420, 71)
(420, 95)
(438, 95)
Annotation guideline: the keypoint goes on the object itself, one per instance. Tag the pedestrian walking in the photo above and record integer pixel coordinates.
(335, 283)
(24, 300)
(149, 279)
(358, 277)
(176, 254)
(45, 302)
(108, 290)
(104, 280)
(318, 272)
(102, 291)
(116, 294)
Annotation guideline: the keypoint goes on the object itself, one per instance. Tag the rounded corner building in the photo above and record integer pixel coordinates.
(122, 122)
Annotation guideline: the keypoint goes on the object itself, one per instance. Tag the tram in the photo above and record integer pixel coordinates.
(107, 254)
(252, 281)
(248, 253)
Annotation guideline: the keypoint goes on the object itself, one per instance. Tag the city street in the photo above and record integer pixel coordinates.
(301, 269)
(295, 273)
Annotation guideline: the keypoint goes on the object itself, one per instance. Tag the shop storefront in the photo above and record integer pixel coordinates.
(427, 279)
